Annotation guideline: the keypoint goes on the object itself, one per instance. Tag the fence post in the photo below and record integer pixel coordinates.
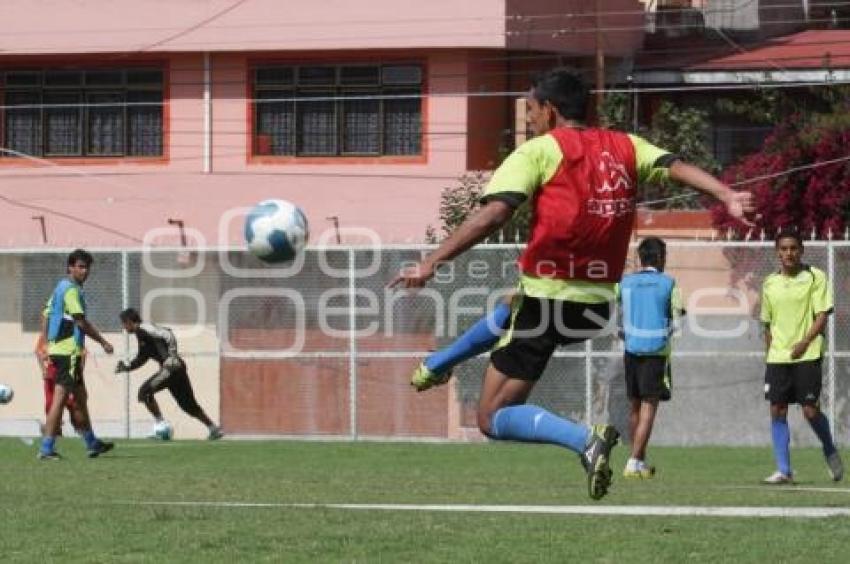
(125, 303)
(830, 335)
(588, 381)
(352, 346)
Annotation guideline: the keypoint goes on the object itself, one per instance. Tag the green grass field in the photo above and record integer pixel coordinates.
(92, 511)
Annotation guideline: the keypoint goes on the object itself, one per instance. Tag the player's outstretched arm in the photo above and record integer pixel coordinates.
(738, 204)
(142, 357)
(90, 330)
(490, 217)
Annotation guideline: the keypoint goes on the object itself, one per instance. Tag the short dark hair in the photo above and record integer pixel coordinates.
(652, 252)
(130, 315)
(80, 255)
(565, 89)
(789, 233)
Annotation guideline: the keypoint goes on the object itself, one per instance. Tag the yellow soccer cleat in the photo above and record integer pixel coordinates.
(423, 379)
(644, 472)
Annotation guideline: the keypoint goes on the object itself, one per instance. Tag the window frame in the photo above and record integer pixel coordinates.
(125, 130)
(294, 89)
(157, 82)
(45, 130)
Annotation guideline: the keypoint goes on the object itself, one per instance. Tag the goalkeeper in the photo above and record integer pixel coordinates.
(158, 343)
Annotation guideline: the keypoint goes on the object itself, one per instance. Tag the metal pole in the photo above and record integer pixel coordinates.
(125, 303)
(600, 66)
(207, 155)
(830, 335)
(352, 347)
(635, 121)
(588, 382)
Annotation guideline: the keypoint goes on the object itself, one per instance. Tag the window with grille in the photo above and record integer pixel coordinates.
(321, 110)
(82, 113)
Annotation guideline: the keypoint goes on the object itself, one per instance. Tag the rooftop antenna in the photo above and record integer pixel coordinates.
(183, 255)
(42, 222)
(181, 226)
(335, 220)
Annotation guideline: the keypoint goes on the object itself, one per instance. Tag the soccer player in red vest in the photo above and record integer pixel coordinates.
(582, 186)
(49, 378)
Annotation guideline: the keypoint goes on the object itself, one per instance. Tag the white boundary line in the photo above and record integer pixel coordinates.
(615, 510)
(792, 488)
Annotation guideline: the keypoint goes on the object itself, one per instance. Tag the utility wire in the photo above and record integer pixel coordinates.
(400, 21)
(752, 180)
(553, 32)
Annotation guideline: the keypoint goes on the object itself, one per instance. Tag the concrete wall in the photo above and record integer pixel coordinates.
(105, 26)
(120, 200)
(115, 202)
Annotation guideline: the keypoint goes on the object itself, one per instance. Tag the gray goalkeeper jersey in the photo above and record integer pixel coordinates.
(155, 342)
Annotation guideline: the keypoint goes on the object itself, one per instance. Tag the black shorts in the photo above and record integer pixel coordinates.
(177, 383)
(793, 382)
(537, 326)
(67, 370)
(647, 376)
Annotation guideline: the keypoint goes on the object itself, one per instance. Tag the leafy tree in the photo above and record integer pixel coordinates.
(683, 131)
(614, 112)
(457, 202)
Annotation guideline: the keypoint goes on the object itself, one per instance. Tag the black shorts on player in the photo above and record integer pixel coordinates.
(793, 382)
(647, 377)
(66, 370)
(537, 326)
(177, 382)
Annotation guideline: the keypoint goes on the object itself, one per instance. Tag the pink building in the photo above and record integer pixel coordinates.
(120, 116)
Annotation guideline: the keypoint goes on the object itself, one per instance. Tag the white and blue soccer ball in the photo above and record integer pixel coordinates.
(6, 393)
(163, 431)
(276, 231)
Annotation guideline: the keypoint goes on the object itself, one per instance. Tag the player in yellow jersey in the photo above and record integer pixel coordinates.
(795, 304)
(66, 327)
(581, 183)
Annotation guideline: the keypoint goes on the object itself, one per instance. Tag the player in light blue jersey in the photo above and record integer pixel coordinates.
(649, 302)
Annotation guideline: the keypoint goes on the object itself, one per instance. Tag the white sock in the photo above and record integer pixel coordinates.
(633, 464)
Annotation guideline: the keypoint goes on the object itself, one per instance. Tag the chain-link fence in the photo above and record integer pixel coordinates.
(322, 348)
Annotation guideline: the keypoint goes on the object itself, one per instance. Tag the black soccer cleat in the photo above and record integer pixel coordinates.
(100, 447)
(596, 459)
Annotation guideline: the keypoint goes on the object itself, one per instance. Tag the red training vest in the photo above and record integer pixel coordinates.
(582, 218)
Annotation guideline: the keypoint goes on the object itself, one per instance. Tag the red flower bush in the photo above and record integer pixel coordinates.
(792, 181)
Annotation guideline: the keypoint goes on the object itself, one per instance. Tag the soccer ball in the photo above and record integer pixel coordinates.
(163, 431)
(276, 231)
(6, 393)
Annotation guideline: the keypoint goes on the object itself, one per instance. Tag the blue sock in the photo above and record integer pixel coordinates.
(820, 425)
(533, 424)
(479, 338)
(48, 444)
(781, 444)
(89, 438)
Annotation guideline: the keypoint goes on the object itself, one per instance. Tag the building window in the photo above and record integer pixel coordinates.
(732, 142)
(83, 113)
(357, 110)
